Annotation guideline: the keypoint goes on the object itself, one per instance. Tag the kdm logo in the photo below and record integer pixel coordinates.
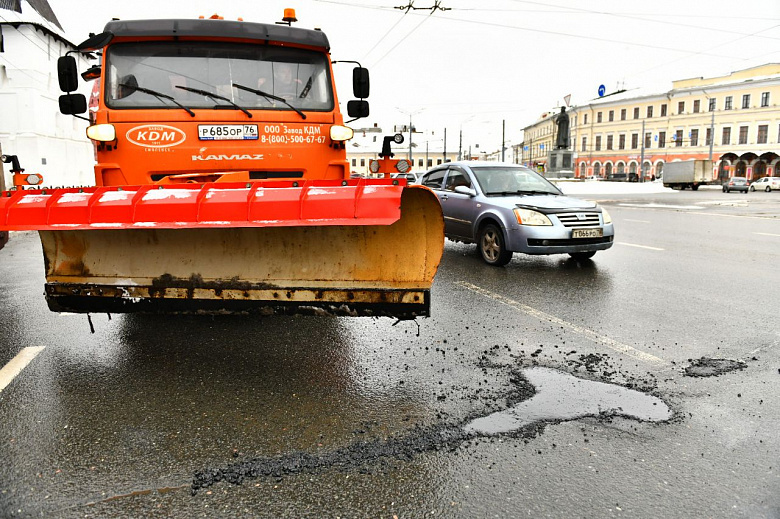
(156, 136)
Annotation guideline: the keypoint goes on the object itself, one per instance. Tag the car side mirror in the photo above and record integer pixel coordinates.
(465, 190)
(73, 104)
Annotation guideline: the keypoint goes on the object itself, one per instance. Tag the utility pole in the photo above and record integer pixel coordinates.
(503, 137)
(460, 145)
(445, 145)
(642, 154)
(712, 133)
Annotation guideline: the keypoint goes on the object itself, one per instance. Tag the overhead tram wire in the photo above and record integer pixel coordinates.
(433, 9)
(634, 17)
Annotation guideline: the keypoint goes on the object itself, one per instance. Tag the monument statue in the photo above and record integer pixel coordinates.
(562, 138)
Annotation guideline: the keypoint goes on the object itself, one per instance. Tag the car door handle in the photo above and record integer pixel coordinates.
(444, 197)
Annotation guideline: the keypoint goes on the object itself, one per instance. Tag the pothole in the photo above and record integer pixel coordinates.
(558, 397)
(706, 367)
(561, 397)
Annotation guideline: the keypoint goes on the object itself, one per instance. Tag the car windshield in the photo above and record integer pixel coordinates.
(504, 180)
(168, 69)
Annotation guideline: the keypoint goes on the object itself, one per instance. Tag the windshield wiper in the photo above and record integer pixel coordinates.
(521, 192)
(158, 95)
(268, 96)
(214, 96)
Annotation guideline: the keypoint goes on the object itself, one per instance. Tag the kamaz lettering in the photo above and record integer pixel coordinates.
(228, 157)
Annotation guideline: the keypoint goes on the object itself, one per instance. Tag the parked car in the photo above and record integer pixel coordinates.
(508, 208)
(736, 184)
(411, 178)
(766, 184)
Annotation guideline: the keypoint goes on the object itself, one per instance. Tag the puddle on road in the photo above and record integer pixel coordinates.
(561, 396)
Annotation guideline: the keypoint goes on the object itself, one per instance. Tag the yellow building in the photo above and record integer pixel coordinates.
(733, 120)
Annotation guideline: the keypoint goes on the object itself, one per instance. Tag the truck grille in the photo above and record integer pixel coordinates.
(578, 220)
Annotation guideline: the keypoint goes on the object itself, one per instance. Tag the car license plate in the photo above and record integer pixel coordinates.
(587, 233)
(227, 132)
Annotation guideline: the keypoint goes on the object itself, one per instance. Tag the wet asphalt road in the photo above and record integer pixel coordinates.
(472, 414)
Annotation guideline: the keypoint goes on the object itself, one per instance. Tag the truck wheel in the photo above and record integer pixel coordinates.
(695, 187)
(491, 246)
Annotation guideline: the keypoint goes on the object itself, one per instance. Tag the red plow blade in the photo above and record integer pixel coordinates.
(253, 204)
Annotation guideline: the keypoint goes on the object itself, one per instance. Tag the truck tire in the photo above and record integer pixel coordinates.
(491, 246)
(695, 187)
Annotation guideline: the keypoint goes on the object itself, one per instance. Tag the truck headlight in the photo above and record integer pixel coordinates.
(529, 217)
(102, 132)
(605, 215)
(341, 133)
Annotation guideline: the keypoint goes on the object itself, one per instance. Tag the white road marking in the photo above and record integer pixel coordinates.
(638, 221)
(17, 364)
(638, 246)
(660, 206)
(590, 334)
(766, 234)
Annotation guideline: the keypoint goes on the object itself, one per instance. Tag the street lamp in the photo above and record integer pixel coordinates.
(410, 114)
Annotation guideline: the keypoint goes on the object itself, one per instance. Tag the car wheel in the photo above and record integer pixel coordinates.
(725, 190)
(582, 256)
(768, 189)
(491, 246)
(752, 188)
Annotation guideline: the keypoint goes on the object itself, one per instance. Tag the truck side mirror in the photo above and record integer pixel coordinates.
(72, 104)
(360, 82)
(357, 109)
(67, 73)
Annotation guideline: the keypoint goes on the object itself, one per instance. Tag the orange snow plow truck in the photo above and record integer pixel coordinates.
(222, 183)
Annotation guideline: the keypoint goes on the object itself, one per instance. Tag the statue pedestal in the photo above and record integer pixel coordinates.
(559, 164)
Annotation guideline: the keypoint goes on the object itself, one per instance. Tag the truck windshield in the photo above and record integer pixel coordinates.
(301, 77)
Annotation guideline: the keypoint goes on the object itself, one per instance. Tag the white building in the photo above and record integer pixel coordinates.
(31, 125)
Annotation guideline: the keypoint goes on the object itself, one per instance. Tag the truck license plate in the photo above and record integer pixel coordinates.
(227, 132)
(587, 233)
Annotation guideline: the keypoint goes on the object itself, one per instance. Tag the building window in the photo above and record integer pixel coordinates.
(649, 112)
(746, 101)
(621, 142)
(363, 162)
(648, 139)
(598, 117)
(713, 102)
(680, 107)
(663, 110)
(598, 142)
(763, 133)
(585, 119)
(696, 106)
(636, 112)
(727, 106)
(764, 99)
(678, 138)
(584, 144)
(634, 141)
(623, 114)
(419, 163)
(610, 140)
(708, 137)
(438, 161)
(695, 137)
(743, 134)
(726, 138)
(662, 139)
(611, 115)
(430, 163)
(354, 163)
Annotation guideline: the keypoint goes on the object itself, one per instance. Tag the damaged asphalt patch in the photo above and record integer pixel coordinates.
(541, 396)
(706, 367)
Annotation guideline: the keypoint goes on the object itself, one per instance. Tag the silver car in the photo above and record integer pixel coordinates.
(507, 208)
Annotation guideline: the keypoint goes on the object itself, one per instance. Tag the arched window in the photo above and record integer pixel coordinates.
(597, 169)
(659, 168)
(632, 168)
(608, 170)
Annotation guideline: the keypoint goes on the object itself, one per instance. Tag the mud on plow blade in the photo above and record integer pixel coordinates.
(351, 247)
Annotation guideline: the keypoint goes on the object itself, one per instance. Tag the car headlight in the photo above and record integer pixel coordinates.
(606, 216)
(102, 132)
(341, 133)
(529, 217)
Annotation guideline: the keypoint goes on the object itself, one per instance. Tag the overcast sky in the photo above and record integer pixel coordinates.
(481, 62)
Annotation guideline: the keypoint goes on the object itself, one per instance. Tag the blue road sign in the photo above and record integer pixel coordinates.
(602, 90)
